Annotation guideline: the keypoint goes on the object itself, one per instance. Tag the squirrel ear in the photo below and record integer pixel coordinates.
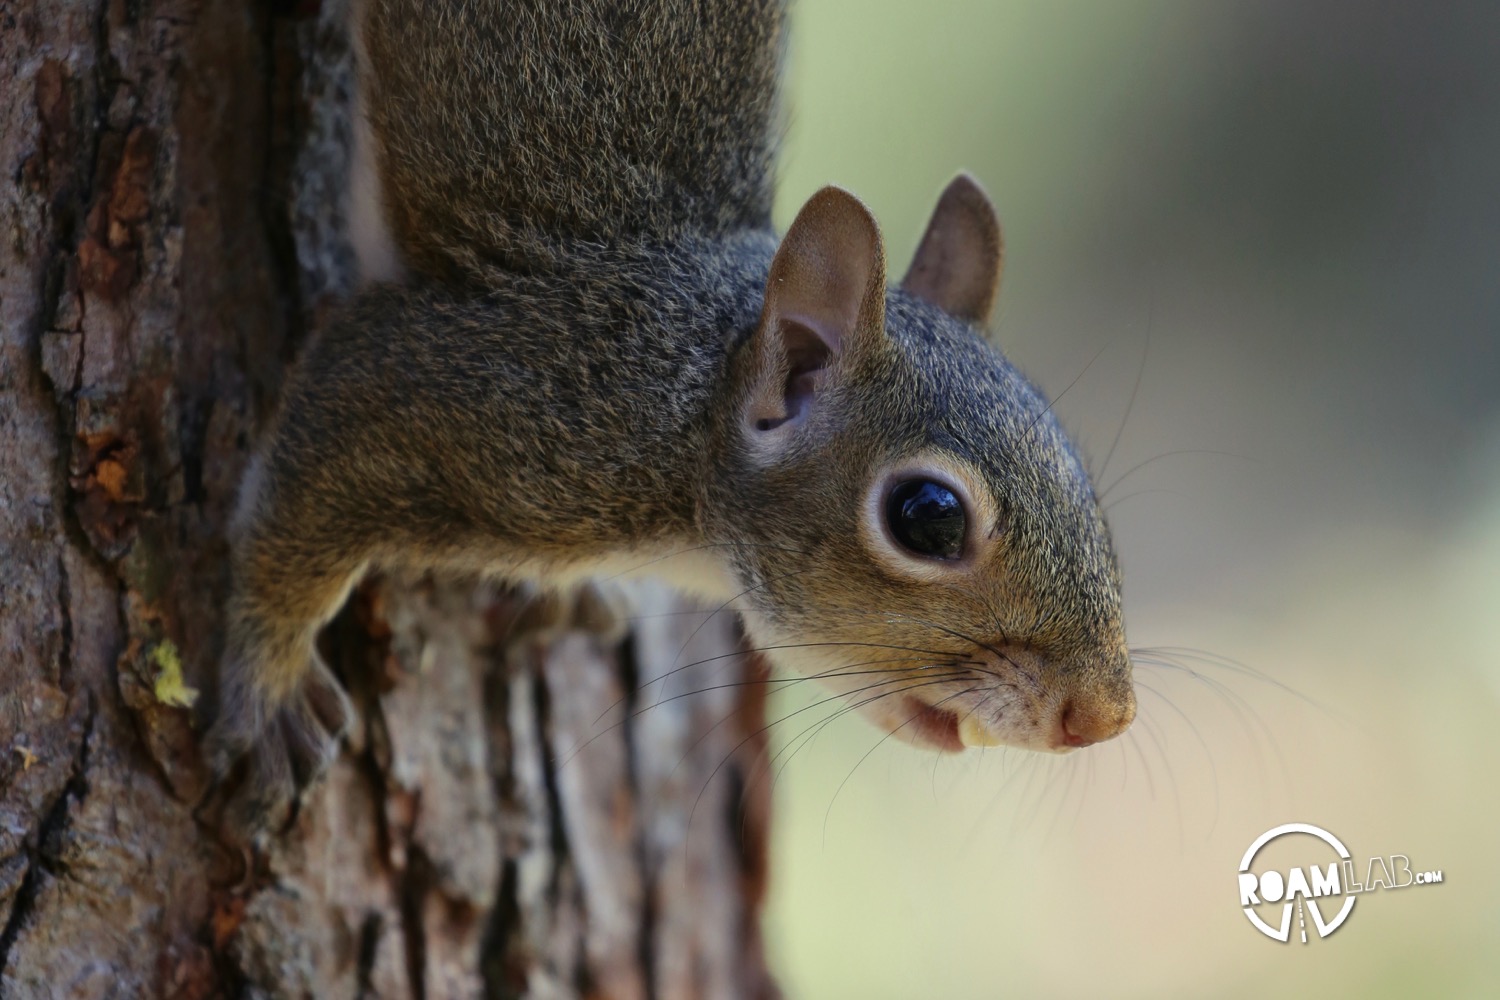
(825, 298)
(958, 263)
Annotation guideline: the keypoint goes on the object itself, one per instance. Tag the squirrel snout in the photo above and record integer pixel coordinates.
(1058, 704)
(1088, 718)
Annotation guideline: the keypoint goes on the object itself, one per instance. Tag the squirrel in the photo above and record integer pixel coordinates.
(601, 360)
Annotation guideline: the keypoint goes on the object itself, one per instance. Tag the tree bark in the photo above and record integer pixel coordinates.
(507, 819)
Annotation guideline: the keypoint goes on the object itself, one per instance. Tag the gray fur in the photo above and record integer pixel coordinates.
(582, 191)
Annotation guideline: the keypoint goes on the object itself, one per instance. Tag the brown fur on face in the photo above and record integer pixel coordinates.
(605, 361)
(1028, 628)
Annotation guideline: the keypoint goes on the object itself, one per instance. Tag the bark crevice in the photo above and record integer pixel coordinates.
(44, 847)
(630, 679)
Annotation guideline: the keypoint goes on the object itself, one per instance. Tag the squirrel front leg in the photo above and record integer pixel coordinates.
(281, 710)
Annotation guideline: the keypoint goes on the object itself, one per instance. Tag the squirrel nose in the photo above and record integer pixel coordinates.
(1083, 722)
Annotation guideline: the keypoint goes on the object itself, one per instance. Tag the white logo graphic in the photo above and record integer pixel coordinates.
(1313, 890)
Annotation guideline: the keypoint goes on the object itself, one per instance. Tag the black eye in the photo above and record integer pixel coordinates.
(926, 518)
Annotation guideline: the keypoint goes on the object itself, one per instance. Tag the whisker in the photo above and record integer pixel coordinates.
(722, 607)
(1250, 720)
(1104, 493)
(1135, 744)
(758, 732)
(1071, 766)
(747, 651)
(821, 724)
(1140, 372)
(1167, 658)
(1207, 753)
(829, 811)
(1149, 727)
(1139, 493)
(945, 630)
(1238, 667)
(1048, 408)
(842, 670)
(1028, 764)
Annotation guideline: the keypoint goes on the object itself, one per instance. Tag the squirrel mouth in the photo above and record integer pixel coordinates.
(933, 727)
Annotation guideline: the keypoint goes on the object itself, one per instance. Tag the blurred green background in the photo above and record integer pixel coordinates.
(1294, 206)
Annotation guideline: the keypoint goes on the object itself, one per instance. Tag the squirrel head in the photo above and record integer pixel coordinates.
(908, 520)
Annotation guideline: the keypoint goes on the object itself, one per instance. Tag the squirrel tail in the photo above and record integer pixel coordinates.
(506, 131)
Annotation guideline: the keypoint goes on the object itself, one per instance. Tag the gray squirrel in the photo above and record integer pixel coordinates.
(602, 360)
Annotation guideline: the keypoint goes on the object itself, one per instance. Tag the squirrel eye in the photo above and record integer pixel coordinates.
(926, 518)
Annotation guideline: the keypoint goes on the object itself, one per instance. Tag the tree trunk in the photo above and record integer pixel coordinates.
(507, 819)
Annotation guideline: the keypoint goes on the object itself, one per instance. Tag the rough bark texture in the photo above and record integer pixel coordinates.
(170, 227)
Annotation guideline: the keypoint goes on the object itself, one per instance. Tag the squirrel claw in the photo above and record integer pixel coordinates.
(276, 757)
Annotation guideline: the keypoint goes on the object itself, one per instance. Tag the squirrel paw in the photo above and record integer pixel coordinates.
(594, 607)
(263, 760)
